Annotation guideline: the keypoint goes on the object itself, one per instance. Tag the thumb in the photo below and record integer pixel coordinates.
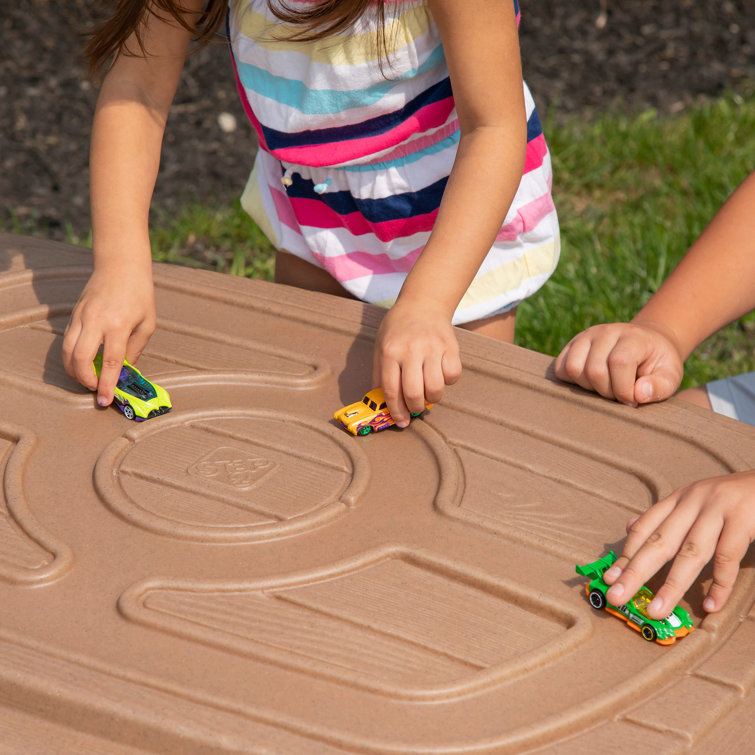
(656, 387)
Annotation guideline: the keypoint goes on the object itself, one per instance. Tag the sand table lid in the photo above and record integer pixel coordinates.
(243, 575)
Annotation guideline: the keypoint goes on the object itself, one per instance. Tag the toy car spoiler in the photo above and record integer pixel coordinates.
(596, 569)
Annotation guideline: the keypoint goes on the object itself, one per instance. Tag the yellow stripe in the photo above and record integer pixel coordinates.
(251, 201)
(342, 49)
(538, 260)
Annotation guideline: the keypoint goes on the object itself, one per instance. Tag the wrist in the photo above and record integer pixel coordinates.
(666, 331)
(122, 254)
(408, 300)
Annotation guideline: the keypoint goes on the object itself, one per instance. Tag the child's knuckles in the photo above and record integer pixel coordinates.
(621, 359)
(693, 552)
(597, 375)
(111, 365)
(393, 352)
(451, 370)
(572, 367)
(390, 391)
(725, 566)
(415, 399)
(81, 363)
(660, 548)
(721, 588)
(434, 395)
(639, 531)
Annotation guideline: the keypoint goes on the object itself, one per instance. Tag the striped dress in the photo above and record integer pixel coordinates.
(353, 156)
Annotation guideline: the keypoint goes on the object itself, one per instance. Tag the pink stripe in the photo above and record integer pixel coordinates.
(527, 218)
(429, 117)
(284, 210)
(537, 149)
(313, 212)
(346, 267)
(416, 145)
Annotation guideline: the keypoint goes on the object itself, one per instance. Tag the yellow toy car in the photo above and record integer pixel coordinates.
(135, 396)
(368, 415)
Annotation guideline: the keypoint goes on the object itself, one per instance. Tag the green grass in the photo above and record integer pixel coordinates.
(221, 238)
(633, 192)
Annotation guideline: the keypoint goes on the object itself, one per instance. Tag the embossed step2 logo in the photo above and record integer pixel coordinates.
(230, 466)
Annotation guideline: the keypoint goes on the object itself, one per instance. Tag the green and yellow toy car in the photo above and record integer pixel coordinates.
(368, 415)
(135, 396)
(664, 631)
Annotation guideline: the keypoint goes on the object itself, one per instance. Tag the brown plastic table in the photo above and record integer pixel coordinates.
(241, 575)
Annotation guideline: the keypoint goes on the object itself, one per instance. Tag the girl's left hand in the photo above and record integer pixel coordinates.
(416, 356)
(712, 518)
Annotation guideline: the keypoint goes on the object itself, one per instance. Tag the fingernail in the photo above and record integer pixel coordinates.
(102, 402)
(656, 604)
(615, 593)
(645, 392)
(613, 573)
(709, 605)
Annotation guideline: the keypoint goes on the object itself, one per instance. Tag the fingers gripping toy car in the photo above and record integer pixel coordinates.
(664, 631)
(368, 415)
(137, 397)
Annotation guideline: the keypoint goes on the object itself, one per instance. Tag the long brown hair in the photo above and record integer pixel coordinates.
(318, 20)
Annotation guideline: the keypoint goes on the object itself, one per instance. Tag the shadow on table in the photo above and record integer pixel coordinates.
(42, 281)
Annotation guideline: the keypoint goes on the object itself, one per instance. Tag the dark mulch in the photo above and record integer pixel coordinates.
(578, 57)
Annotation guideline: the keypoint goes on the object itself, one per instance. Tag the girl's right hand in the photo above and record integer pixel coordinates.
(116, 310)
(416, 356)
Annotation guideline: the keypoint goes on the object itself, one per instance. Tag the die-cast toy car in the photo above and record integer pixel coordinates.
(664, 631)
(368, 415)
(137, 397)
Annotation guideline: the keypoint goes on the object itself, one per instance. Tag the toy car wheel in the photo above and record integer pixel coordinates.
(364, 430)
(597, 600)
(649, 633)
(128, 411)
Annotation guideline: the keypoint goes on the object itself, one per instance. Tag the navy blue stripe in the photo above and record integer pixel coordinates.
(534, 127)
(394, 207)
(382, 123)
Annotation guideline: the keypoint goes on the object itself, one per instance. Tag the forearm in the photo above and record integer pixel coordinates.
(124, 161)
(132, 110)
(479, 192)
(715, 281)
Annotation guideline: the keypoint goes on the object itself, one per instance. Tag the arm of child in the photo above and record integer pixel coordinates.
(642, 361)
(116, 308)
(416, 352)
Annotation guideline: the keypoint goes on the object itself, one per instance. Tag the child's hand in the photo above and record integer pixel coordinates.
(713, 518)
(115, 310)
(416, 356)
(632, 363)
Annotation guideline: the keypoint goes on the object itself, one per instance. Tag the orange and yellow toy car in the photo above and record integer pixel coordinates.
(368, 415)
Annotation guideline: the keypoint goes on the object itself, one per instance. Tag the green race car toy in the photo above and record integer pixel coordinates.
(664, 631)
(135, 396)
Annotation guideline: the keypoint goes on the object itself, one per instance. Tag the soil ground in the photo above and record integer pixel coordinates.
(578, 58)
